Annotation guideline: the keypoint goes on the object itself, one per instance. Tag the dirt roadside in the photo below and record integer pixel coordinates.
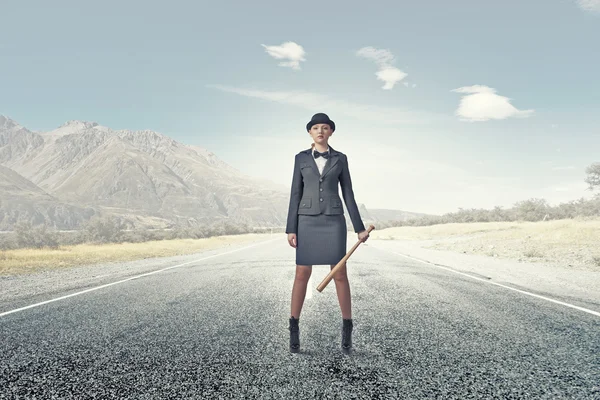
(575, 285)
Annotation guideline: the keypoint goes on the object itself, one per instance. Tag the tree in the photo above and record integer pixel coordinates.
(593, 178)
(105, 229)
(37, 236)
(532, 209)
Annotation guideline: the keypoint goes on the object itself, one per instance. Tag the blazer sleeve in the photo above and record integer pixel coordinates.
(295, 196)
(348, 194)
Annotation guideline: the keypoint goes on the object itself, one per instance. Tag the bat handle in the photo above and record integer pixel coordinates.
(339, 265)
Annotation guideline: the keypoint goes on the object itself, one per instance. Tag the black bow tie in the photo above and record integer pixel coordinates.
(324, 154)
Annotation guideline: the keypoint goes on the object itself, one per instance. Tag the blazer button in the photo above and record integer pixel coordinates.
(321, 199)
(321, 180)
(321, 189)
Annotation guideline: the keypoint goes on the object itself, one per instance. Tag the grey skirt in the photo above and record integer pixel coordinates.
(321, 239)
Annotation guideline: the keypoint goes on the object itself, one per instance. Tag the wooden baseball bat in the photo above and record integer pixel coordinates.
(340, 264)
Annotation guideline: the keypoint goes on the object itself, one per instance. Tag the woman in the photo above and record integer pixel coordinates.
(316, 225)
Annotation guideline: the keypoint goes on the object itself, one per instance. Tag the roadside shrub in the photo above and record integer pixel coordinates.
(37, 236)
(105, 229)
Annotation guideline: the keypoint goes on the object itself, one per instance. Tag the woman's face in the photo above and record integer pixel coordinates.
(320, 133)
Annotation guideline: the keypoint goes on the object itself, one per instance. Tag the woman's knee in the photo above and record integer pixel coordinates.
(303, 272)
(340, 275)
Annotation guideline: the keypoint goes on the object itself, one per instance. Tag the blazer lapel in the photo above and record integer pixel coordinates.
(331, 161)
(312, 162)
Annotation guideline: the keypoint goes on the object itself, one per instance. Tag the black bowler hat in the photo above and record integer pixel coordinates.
(320, 118)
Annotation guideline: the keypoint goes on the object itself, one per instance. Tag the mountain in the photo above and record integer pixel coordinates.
(16, 142)
(22, 199)
(381, 214)
(143, 177)
(135, 174)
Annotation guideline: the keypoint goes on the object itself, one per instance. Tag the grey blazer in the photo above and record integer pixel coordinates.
(313, 193)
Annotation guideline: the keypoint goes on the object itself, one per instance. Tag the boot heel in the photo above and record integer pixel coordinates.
(294, 335)
(347, 335)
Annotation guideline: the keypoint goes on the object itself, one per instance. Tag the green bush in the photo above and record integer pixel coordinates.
(38, 236)
(105, 229)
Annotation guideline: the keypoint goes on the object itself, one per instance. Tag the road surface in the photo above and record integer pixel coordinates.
(214, 325)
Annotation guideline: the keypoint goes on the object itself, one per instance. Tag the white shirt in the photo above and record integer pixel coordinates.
(321, 160)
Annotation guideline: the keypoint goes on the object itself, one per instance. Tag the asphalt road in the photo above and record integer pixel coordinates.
(217, 328)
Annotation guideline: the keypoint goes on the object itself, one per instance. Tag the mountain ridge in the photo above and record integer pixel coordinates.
(139, 176)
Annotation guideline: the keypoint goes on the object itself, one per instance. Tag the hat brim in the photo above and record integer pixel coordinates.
(312, 123)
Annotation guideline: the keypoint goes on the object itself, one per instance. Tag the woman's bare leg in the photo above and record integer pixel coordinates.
(299, 289)
(342, 287)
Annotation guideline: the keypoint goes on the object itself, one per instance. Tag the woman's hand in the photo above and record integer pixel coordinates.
(292, 240)
(363, 236)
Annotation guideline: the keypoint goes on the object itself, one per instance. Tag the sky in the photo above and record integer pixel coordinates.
(438, 105)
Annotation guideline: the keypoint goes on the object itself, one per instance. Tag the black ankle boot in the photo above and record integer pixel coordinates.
(294, 335)
(347, 335)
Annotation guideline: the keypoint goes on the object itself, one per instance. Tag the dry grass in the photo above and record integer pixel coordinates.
(30, 260)
(569, 242)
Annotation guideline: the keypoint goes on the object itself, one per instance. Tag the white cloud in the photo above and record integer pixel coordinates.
(384, 59)
(482, 103)
(381, 56)
(390, 76)
(288, 50)
(589, 5)
(317, 101)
